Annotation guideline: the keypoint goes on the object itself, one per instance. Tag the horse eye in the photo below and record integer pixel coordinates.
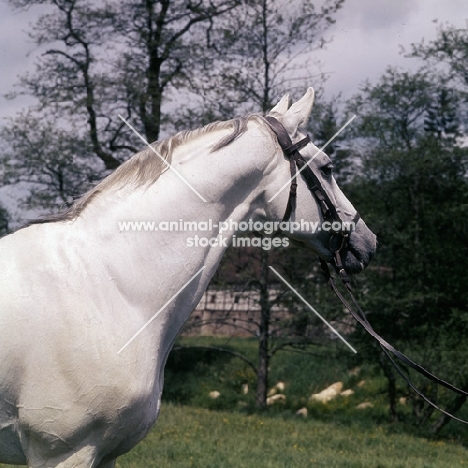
(327, 170)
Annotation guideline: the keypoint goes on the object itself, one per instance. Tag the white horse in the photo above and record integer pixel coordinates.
(74, 390)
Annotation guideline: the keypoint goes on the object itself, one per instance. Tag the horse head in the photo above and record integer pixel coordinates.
(318, 215)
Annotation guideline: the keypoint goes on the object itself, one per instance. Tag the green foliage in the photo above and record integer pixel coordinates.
(325, 127)
(333, 434)
(441, 120)
(413, 188)
(191, 374)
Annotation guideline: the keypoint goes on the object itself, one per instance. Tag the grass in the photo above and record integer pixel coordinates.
(191, 437)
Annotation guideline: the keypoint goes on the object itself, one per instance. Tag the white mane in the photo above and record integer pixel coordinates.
(145, 167)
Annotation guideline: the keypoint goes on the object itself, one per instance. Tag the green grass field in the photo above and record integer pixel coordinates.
(190, 437)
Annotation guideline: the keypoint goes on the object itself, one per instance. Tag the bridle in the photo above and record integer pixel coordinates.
(339, 239)
(338, 243)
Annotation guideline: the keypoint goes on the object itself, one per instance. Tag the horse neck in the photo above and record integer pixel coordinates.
(149, 267)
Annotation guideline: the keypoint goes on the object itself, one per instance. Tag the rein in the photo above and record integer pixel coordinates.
(291, 151)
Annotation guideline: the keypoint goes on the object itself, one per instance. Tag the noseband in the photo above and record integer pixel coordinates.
(340, 239)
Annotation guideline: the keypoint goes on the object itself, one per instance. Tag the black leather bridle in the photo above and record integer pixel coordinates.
(338, 243)
(339, 239)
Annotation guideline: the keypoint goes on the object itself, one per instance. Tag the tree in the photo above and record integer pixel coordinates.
(268, 310)
(449, 49)
(325, 126)
(413, 186)
(264, 52)
(101, 60)
(53, 163)
(441, 120)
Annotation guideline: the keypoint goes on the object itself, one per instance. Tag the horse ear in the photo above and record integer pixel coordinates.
(298, 114)
(282, 106)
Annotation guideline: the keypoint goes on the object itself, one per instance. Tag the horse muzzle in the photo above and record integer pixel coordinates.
(359, 248)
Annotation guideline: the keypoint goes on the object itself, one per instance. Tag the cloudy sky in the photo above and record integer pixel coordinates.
(367, 37)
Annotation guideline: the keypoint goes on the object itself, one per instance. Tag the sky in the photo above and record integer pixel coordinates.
(368, 36)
